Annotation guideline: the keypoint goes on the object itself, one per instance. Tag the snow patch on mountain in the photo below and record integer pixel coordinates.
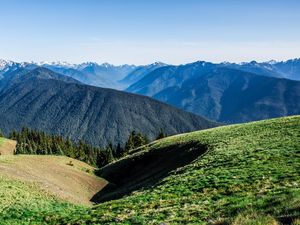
(4, 64)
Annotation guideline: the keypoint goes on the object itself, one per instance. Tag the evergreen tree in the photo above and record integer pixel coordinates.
(109, 153)
(37, 142)
(135, 140)
(130, 142)
(161, 134)
(140, 140)
(118, 152)
(13, 135)
(104, 157)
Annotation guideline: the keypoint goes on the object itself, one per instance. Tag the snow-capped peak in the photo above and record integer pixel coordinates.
(226, 63)
(272, 62)
(4, 64)
(57, 64)
(85, 64)
(106, 65)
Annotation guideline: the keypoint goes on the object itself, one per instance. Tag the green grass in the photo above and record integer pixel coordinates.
(249, 169)
(23, 203)
(1, 140)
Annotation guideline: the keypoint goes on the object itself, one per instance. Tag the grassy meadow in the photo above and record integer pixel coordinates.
(249, 175)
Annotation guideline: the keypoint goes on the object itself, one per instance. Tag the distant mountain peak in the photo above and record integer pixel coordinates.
(45, 73)
(158, 63)
(293, 60)
(57, 63)
(200, 63)
(271, 62)
(41, 69)
(5, 63)
(106, 65)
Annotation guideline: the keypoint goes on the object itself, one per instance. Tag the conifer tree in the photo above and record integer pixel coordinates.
(119, 152)
(130, 142)
(161, 134)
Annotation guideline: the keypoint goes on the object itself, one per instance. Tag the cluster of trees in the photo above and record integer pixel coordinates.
(38, 142)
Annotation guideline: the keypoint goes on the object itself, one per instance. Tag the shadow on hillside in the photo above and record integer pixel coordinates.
(145, 170)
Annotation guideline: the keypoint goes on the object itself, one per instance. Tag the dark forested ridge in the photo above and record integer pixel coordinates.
(50, 102)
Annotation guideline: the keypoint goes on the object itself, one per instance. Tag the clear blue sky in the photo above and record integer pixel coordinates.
(140, 31)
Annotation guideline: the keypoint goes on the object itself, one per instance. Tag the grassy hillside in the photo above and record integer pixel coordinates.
(66, 178)
(21, 200)
(243, 173)
(33, 185)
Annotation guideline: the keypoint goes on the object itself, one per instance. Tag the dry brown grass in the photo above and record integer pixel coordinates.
(54, 174)
(7, 147)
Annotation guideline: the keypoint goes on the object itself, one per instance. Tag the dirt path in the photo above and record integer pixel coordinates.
(7, 147)
(74, 182)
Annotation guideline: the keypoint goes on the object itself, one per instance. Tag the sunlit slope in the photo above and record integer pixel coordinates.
(65, 178)
(7, 147)
(244, 172)
(249, 167)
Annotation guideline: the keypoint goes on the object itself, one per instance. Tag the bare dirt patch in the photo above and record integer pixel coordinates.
(67, 178)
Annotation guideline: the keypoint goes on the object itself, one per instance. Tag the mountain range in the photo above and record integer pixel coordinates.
(225, 92)
(57, 104)
(101, 75)
(122, 76)
(229, 93)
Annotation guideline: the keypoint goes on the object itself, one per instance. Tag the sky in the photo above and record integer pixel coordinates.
(142, 32)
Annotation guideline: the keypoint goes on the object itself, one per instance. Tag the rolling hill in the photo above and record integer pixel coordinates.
(54, 103)
(221, 93)
(64, 178)
(237, 174)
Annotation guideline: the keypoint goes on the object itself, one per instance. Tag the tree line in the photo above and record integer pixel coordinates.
(38, 142)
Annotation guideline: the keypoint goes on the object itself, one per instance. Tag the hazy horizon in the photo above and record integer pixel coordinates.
(132, 64)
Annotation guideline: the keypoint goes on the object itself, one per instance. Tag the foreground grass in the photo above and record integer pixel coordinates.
(24, 203)
(250, 169)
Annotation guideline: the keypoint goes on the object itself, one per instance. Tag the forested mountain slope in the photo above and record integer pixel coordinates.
(47, 101)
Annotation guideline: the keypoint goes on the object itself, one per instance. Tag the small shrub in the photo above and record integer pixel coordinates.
(70, 163)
